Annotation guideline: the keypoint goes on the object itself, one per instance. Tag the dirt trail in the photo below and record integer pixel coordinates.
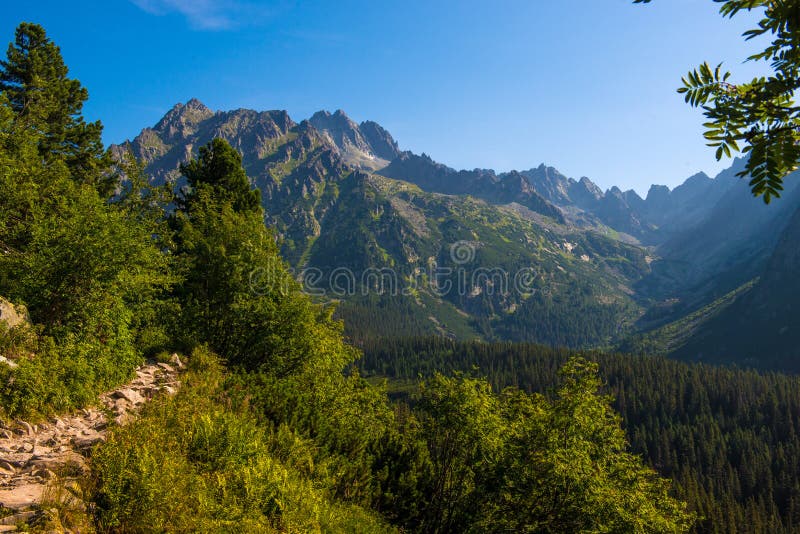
(32, 455)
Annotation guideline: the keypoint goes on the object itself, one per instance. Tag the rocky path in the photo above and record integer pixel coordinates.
(32, 455)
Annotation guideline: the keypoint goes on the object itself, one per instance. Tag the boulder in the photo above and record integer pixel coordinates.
(20, 517)
(13, 315)
(130, 395)
(20, 497)
(176, 361)
(6, 469)
(87, 442)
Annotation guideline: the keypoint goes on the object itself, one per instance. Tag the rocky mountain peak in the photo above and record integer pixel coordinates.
(549, 183)
(382, 143)
(336, 122)
(657, 193)
(367, 146)
(517, 180)
(192, 110)
(181, 121)
(195, 104)
(615, 191)
(699, 178)
(590, 187)
(585, 193)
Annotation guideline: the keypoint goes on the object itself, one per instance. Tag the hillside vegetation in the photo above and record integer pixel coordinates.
(727, 438)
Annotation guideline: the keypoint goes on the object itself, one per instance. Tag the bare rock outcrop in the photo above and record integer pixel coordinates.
(13, 315)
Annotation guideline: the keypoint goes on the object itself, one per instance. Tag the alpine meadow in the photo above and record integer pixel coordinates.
(244, 320)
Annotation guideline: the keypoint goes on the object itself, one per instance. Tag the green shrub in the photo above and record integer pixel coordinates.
(62, 377)
(199, 462)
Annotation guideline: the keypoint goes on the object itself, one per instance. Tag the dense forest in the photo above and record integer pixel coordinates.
(273, 428)
(726, 437)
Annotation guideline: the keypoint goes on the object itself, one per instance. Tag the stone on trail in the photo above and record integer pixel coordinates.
(23, 496)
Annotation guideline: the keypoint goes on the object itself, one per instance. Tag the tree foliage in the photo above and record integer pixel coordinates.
(727, 438)
(85, 264)
(43, 99)
(515, 462)
(217, 173)
(758, 117)
(237, 294)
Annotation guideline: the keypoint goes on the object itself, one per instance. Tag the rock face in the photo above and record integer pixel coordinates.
(182, 121)
(186, 127)
(366, 145)
(33, 455)
(380, 141)
(551, 184)
(614, 209)
(13, 315)
(545, 190)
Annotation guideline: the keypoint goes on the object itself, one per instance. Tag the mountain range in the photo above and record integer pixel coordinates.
(601, 268)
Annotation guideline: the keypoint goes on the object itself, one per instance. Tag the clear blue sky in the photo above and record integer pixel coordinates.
(587, 86)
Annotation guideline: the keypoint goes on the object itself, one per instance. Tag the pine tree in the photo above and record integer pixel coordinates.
(238, 295)
(218, 169)
(45, 100)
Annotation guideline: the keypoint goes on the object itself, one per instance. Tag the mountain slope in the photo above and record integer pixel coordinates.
(481, 183)
(341, 225)
(462, 261)
(350, 209)
(755, 325)
(727, 248)
(762, 328)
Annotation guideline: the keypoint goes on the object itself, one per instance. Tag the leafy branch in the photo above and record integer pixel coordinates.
(760, 116)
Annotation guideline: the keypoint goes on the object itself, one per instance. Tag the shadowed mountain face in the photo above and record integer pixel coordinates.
(755, 325)
(729, 245)
(343, 196)
(653, 220)
(498, 189)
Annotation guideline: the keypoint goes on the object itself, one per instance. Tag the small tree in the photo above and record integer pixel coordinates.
(523, 463)
(217, 175)
(238, 295)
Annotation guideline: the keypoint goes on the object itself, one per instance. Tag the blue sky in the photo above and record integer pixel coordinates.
(587, 86)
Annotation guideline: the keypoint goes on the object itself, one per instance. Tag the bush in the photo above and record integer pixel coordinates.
(200, 462)
(62, 377)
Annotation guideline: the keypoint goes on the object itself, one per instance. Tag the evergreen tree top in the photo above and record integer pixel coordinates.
(219, 169)
(44, 100)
